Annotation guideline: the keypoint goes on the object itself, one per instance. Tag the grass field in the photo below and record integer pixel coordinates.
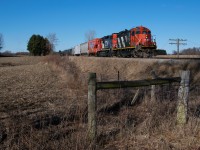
(43, 104)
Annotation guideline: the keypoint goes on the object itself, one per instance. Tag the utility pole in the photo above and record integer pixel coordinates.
(178, 42)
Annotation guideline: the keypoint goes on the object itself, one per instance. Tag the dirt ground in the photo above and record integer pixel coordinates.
(39, 87)
(28, 86)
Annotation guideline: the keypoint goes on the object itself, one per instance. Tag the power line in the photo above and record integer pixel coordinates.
(178, 42)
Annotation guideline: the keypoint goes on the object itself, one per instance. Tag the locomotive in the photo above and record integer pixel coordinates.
(136, 42)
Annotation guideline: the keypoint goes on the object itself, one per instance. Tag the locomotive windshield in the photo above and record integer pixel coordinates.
(144, 32)
(137, 32)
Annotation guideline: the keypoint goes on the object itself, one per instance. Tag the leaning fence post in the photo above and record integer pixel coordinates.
(153, 88)
(183, 94)
(92, 125)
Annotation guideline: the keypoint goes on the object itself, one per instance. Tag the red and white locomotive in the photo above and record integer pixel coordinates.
(136, 42)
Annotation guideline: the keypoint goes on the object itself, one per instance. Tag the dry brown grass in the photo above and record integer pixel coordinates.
(193, 56)
(43, 104)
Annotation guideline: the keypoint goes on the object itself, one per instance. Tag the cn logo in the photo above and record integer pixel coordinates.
(106, 43)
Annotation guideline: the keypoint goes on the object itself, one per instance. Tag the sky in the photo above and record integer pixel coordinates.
(71, 19)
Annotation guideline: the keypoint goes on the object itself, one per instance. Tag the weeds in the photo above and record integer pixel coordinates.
(55, 115)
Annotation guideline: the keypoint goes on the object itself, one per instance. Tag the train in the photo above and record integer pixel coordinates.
(136, 42)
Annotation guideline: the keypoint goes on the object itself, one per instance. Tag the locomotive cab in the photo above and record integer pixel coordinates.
(94, 46)
(141, 36)
(107, 42)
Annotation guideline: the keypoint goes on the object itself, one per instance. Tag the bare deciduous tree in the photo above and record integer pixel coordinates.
(52, 40)
(90, 35)
(1, 41)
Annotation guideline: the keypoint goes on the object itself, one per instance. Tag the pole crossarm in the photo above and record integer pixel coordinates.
(136, 83)
(178, 42)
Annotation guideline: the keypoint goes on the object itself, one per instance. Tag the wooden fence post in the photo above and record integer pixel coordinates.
(92, 106)
(183, 94)
(118, 75)
(153, 88)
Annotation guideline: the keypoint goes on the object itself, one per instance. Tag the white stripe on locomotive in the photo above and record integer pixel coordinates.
(122, 38)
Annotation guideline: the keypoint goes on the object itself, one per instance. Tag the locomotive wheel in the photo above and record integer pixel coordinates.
(150, 55)
(118, 54)
(132, 54)
(110, 53)
(145, 55)
(97, 54)
(139, 54)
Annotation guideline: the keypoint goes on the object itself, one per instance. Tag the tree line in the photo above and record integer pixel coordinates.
(1, 41)
(37, 44)
(189, 51)
(41, 46)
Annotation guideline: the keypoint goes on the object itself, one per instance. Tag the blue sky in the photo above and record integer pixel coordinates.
(71, 19)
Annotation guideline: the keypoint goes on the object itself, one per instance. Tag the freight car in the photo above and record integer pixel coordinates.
(84, 48)
(136, 42)
(80, 49)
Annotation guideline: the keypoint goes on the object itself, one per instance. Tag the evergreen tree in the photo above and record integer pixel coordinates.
(48, 48)
(38, 45)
